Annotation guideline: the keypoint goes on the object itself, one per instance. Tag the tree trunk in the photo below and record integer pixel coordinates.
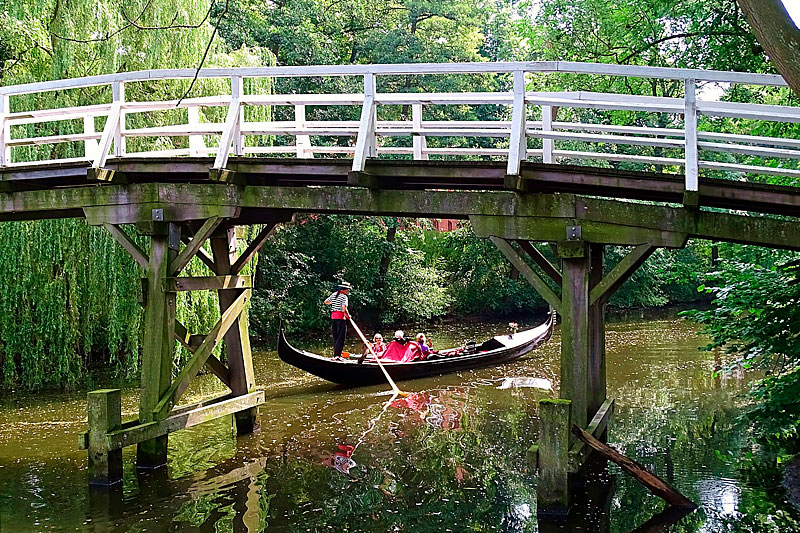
(778, 34)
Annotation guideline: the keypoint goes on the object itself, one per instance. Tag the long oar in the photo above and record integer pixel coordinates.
(377, 360)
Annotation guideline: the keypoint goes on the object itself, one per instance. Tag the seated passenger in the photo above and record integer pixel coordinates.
(401, 350)
(400, 337)
(426, 350)
(378, 345)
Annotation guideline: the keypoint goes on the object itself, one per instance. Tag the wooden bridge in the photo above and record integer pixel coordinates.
(540, 180)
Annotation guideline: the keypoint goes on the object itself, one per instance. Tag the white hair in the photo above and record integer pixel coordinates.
(399, 334)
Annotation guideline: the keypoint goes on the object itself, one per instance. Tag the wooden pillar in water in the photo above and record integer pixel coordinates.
(158, 341)
(575, 258)
(552, 486)
(597, 336)
(237, 339)
(105, 415)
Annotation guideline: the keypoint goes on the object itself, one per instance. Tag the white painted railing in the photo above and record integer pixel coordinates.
(364, 134)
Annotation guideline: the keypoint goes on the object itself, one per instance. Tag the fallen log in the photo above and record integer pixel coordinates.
(663, 521)
(652, 482)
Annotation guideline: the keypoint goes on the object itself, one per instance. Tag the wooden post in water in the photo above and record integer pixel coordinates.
(158, 342)
(105, 415)
(552, 486)
(237, 339)
(575, 324)
(597, 336)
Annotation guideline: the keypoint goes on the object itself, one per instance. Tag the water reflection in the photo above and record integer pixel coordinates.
(451, 455)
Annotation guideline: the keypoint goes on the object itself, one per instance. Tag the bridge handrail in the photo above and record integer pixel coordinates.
(499, 67)
(234, 129)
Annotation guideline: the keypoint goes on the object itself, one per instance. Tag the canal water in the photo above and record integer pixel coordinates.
(452, 456)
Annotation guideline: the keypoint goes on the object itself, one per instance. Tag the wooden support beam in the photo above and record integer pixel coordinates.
(533, 278)
(193, 366)
(192, 342)
(651, 482)
(620, 273)
(105, 416)
(597, 427)
(540, 260)
(575, 327)
(253, 248)
(552, 487)
(139, 432)
(129, 244)
(597, 335)
(237, 339)
(207, 283)
(191, 249)
(157, 348)
(201, 254)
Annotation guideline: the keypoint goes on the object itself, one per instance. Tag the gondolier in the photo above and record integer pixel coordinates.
(339, 317)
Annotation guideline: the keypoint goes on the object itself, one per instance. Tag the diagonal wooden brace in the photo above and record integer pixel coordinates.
(253, 248)
(201, 355)
(194, 245)
(192, 342)
(540, 260)
(129, 244)
(620, 273)
(201, 254)
(533, 278)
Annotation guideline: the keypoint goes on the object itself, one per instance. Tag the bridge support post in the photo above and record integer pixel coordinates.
(585, 289)
(575, 259)
(597, 336)
(158, 340)
(237, 340)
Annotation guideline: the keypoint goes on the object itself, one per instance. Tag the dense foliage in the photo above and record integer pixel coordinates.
(756, 318)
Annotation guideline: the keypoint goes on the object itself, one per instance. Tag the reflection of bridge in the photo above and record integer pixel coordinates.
(192, 180)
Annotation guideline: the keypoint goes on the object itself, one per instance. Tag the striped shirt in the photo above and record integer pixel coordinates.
(338, 303)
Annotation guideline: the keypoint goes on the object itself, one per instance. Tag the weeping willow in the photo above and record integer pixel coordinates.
(69, 297)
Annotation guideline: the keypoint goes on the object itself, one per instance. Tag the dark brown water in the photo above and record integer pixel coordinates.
(452, 456)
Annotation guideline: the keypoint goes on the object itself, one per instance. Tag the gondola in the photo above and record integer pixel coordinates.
(497, 350)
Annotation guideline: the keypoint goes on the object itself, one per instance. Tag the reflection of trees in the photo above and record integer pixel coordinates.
(672, 443)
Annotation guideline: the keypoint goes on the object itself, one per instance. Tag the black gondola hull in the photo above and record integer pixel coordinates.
(349, 372)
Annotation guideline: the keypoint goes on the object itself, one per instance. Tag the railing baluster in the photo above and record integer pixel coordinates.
(518, 147)
(237, 89)
(302, 142)
(112, 132)
(230, 128)
(690, 135)
(90, 146)
(366, 144)
(118, 96)
(197, 144)
(5, 131)
(420, 142)
(547, 127)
